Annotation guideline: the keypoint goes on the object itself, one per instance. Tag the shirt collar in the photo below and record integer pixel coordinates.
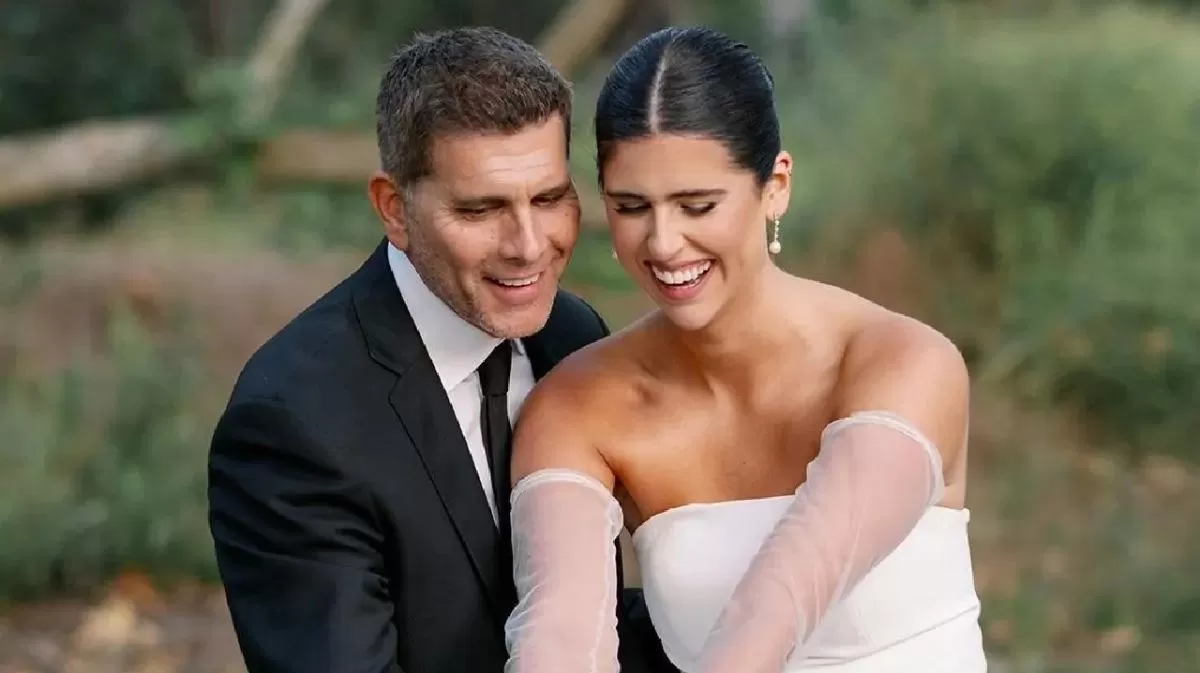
(456, 347)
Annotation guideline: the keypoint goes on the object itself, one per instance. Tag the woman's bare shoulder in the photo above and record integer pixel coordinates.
(870, 330)
(566, 418)
(896, 363)
(880, 336)
(599, 372)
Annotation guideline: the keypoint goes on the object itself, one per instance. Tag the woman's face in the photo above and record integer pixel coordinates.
(687, 223)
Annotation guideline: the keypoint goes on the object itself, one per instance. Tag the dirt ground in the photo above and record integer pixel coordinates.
(131, 629)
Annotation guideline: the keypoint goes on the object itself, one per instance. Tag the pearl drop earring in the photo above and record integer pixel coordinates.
(614, 253)
(775, 246)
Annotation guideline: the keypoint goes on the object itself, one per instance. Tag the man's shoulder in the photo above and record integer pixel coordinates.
(303, 389)
(571, 307)
(304, 350)
(572, 324)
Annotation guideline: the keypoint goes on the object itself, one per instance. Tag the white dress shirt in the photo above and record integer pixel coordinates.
(457, 349)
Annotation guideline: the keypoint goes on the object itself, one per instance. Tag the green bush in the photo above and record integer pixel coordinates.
(1045, 170)
(104, 468)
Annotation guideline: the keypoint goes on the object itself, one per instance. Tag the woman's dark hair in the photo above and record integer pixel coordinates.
(691, 81)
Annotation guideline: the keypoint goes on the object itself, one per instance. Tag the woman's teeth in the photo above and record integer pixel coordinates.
(687, 274)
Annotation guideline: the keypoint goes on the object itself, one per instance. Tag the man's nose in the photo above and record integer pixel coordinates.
(524, 238)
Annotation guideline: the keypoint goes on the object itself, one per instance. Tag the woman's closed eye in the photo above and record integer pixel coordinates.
(698, 209)
(631, 208)
(691, 209)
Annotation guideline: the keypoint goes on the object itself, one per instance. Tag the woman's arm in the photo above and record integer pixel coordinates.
(565, 523)
(903, 411)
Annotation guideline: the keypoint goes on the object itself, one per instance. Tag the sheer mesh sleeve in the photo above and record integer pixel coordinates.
(564, 526)
(872, 480)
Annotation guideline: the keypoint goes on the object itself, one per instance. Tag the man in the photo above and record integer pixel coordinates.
(359, 475)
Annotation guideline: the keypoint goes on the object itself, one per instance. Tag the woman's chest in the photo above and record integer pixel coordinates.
(672, 455)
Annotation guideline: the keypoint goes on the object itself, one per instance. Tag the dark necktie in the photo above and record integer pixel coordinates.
(497, 433)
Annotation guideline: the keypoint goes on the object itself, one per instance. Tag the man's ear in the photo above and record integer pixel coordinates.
(388, 203)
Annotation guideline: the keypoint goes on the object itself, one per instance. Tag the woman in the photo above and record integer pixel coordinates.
(790, 457)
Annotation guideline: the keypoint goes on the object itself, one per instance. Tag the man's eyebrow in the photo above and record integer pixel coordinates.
(559, 189)
(495, 200)
(479, 201)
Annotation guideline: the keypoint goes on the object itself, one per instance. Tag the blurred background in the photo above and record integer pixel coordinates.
(178, 179)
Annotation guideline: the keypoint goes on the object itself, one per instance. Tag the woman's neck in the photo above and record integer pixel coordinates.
(732, 350)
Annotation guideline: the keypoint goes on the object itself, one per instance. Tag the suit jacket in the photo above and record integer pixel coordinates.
(351, 532)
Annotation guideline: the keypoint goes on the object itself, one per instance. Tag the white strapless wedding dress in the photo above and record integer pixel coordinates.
(917, 611)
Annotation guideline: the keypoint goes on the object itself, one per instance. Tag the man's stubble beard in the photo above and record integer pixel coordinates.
(443, 283)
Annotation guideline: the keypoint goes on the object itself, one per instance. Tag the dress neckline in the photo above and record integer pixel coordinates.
(656, 520)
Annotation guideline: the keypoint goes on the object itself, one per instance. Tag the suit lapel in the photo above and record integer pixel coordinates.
(428, 419)
(546, 348)
(541, 359)
(433, 430)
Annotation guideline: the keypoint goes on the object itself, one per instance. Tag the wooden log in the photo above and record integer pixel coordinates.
(318, 156)
(578, 30)
(275, 55)
(91, 157)
(99, 155)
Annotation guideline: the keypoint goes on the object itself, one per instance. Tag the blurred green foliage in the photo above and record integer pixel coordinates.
(104, 467)
(1045, 170)
(1038, 158)
(103, 59)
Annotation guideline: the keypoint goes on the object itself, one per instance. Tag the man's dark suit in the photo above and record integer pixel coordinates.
(351, 531)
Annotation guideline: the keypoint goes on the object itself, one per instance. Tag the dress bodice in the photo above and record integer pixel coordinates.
(917, 610)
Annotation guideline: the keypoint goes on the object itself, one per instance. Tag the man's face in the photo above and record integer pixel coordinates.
(491, 229)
